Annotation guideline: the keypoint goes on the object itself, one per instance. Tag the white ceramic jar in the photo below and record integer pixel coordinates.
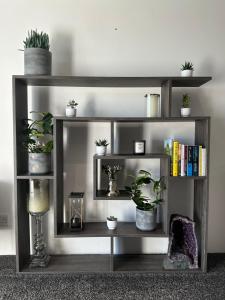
(187, 73)
(101, 150)
(185, 111)
(111, 224)
(71, 111)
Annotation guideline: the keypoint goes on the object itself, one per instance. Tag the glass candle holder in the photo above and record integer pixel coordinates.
(38, 205)
(76, 211)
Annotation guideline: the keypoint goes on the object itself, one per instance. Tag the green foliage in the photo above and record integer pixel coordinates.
(101, 143)
(72, 104)
(186, 101)
(142, 179)
(112, 218)
(187, 66)
(37, 133)
(37, 40)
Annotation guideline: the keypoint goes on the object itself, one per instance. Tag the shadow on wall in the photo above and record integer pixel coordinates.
(6, 206)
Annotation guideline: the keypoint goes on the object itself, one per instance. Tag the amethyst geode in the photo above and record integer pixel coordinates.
(183, 246)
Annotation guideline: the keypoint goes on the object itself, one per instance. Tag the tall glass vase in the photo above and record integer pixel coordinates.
(38, 205)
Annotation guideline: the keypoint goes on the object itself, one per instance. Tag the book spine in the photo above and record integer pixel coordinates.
(179, 160)
(190, 161)
(200, 161)
(185, 159)
(204, 161)
(195, 161)
(175, 158)
(168, 149)
(183, 168)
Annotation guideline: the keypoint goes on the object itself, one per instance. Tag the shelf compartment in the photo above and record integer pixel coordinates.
(102, 195)
(92, 81)
(132, 156)
(99, 229)
(91, 263)
(29, 176)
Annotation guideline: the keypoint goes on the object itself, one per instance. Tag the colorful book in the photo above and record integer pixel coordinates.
(183, 164)
(168, 149)
(195, 152)
(200, 161)
(175, 157)
(190, 161)
(179, 160)
(204, 161)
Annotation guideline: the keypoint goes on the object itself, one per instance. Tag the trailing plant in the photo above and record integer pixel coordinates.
(101, 143)
(72, 104)
(111, 218)
(111, 171)
(186, 101)
(37, 40)
(142, 179)
(38, 133)
(187, 66)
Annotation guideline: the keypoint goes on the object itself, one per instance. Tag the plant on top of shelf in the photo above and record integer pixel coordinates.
(39, 143)
(146, 207)
(187, 69)
(185, 109)
(111, 222)
(111, 172)
(37, 57)
(71, 108)
(101, 146)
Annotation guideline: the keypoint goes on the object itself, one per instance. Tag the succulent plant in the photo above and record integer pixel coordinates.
(187, 66)
(72, 104)
(101, 143)
(111, 218)
(37, 40)
(186, 101)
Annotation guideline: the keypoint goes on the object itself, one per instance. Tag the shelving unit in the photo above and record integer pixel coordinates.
(110, 262)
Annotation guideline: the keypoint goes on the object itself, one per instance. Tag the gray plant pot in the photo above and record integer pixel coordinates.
(146, 220)
(39, 163)
(37, 61)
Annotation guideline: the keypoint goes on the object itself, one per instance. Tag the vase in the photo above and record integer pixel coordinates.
(39, 163)
(153, 105)
(112, 188)
(146, 219)
(37, 61)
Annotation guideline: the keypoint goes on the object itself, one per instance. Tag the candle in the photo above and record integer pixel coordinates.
(153, 105)
(38, 196)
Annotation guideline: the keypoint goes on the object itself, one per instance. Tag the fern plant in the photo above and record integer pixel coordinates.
(37, 40)
(187, 66)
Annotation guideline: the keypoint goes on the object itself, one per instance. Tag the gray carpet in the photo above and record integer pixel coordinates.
(114, 286)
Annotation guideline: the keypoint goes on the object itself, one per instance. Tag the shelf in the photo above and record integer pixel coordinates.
(97, 263)
(28, 176)
(99, 229)
(187, 177)
(132, 156)
(131, 119)
(101, 195)
(91, 81)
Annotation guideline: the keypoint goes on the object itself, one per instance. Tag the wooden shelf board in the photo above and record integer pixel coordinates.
(29, 176)
(97, 263)
(85, 81)
(131, 119)
(99, 229)
(101, 195)
(132, 156)
(187, 177)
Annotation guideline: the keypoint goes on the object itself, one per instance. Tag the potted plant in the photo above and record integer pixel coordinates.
(146, 208)
(187, 69)
(185, 109)
(39, 143)
(37, 57)
(71, 109)
(111, 223)
(101, 146)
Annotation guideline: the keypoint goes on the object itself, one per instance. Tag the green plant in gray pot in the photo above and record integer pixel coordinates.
(39, 143)
(37, 57)
(146, 208)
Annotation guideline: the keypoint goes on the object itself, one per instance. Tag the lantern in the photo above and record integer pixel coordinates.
(76, 211)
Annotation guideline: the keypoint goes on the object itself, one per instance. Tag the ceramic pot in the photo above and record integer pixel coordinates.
(71, 111)
(39, 163)
(37, 61)
(111, 224)
(146, 219)
(101, 150)
(187, 73)
(185, 111)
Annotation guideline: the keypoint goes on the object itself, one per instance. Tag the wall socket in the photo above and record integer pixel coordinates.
(4, 220)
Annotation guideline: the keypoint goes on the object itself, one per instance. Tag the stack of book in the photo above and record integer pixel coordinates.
(185, 160)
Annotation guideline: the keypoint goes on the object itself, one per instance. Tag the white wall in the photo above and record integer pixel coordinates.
(118, 38)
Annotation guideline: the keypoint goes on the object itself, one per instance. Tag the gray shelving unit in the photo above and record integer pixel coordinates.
(110, 262)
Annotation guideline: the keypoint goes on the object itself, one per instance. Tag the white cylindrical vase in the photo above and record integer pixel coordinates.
(153, 105)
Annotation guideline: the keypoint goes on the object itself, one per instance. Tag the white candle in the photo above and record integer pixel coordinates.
(153, 105)
(38, 197)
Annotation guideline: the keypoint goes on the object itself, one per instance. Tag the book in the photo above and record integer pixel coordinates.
(190, 161)
(179, 160)
(195, 152)
(200, 161)
(204, 162)
(168, 149)
(175, 157)
(183, 163)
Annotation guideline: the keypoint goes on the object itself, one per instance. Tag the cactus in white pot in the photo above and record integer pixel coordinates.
(185, 109)
(71, 109)
(187, 69)
(101, 146)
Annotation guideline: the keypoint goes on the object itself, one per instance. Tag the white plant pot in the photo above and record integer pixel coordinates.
(101, 150)
(187, 73)
(111, 224)
(71, 112)
(185, 111)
